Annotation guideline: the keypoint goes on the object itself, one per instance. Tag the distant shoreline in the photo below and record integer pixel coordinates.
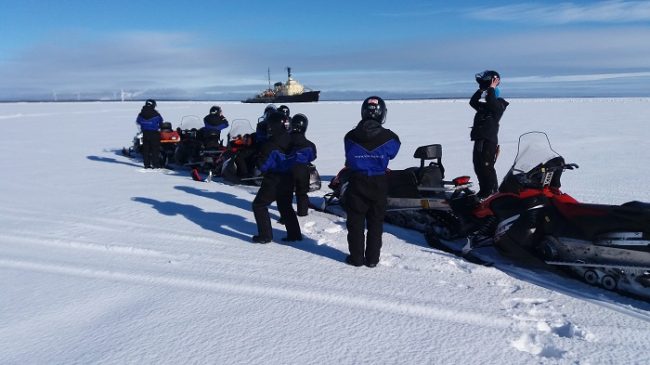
(323, 100)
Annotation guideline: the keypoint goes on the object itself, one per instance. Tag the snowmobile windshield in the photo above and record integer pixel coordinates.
(240, 127)
(534, 150)
(189, 122)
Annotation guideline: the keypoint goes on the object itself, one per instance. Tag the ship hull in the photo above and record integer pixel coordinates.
(306, 97)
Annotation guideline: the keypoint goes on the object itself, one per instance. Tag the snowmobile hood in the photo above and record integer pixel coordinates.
(367, 130)
(148, 112)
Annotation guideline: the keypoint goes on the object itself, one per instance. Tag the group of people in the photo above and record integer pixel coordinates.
(284, 159)
(284, 155)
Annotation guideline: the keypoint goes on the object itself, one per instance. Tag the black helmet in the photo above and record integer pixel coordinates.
(484, 79)
(269, 109)
(150, 102)
(374, 107)
(215, 110)
(275, 124)
(299, 123)
(284, 109)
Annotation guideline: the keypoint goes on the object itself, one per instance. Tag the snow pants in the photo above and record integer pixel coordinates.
(484, 156)
(301, 182)
(365, 207)
(151, 149)
(276, 187)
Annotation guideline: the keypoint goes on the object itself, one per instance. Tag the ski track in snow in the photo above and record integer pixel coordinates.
(340, 299)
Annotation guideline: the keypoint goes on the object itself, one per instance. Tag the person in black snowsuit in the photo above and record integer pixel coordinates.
(274, 162)
(262, 127)
(305, 152)
(368, 148)
(485, 130)
(214, 123)
(150, 122)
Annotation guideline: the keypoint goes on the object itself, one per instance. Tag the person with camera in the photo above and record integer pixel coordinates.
(275, 163)
(368, 148)
(213, 123)
(150, 122)
(485, 130)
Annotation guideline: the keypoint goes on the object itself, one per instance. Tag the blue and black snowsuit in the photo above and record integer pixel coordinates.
(274, 161)
(368, 148)
(485, 130)
(211, 132)
(305, 152)
(150, 122)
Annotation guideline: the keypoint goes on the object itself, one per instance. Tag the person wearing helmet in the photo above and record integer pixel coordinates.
(274, 163)
(368, 148)
(485, 130)
(287, 115)
(150, 122)
(214, 123)
(305, 153)
(260, 130)
(284, 110)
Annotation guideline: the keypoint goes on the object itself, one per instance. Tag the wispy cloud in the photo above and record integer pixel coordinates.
(566, 13)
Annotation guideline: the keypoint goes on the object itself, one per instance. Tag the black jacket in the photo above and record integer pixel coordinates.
(303, 149)
(215, 122)
(274, 153)
(487, 117)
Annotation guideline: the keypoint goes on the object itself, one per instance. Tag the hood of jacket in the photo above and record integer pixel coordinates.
(366, 130)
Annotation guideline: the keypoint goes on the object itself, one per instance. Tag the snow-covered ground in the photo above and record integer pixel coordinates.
(103, 263)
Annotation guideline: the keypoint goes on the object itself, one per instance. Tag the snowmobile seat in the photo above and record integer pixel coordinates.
(402, 184)
(433, 174)
(430, 152)
(638, 205)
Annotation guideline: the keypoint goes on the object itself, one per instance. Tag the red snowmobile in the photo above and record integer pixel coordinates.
(532, 221)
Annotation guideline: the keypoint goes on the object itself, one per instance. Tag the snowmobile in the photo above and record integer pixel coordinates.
(188, 151)
(535, 223)
(224, 162)
(213, 155)
(169, 138)
(418, 197)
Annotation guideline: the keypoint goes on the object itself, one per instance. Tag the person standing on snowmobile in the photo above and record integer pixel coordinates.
(485, 130)
(150, 122)
(275, 163)
(214, 123)
(305, 152)
(368, 148)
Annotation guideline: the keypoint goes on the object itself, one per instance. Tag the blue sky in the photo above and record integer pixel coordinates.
(347, 49)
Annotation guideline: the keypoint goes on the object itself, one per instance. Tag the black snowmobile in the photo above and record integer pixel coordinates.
(237, 162)
(418, 197)
(188, 151)
(535, 223)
